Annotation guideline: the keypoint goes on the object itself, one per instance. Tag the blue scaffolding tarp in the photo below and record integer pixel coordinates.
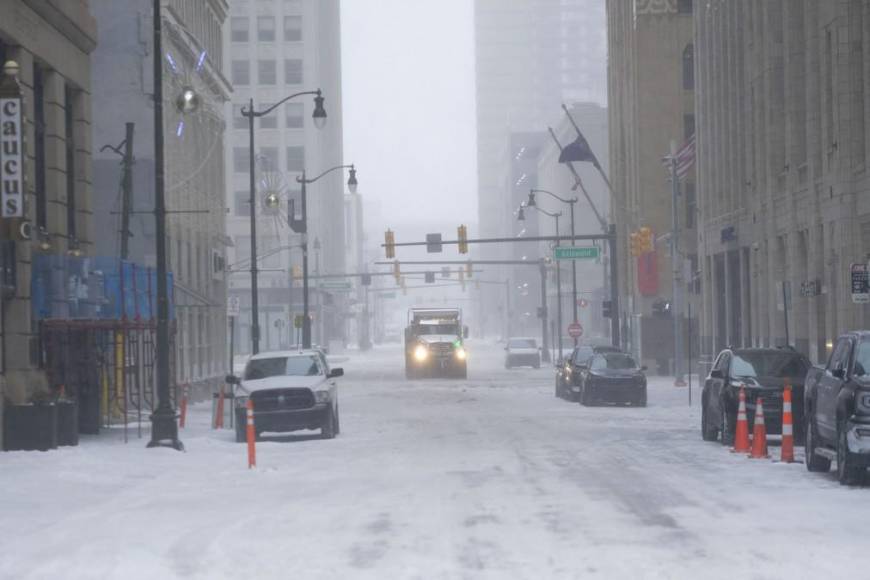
(94, 288)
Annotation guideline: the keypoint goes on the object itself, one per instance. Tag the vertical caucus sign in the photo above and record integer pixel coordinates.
(11, 155)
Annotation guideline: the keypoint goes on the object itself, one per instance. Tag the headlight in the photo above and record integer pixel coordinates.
(421, 353)
(322, 396)
(460, 353)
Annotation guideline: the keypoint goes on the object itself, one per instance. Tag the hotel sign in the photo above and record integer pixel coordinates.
(11, 156)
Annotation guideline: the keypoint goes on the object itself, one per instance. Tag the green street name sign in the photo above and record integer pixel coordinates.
(337, 285)
(575, 253)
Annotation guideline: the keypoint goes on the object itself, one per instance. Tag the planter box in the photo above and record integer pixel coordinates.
(30, 427)
(67, 423)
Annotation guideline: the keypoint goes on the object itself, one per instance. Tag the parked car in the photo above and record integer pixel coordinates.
(763, 372)
(291, 390)
(837, 409)
(568, 370)
(613, 377)
(521, 352)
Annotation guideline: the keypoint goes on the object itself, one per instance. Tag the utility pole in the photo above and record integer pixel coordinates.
(127, 190)
(677, 265)
(545, 341)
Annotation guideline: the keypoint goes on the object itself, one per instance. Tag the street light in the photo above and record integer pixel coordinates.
(301, 227)
(521, 217)
(571, 203)
(319, 117)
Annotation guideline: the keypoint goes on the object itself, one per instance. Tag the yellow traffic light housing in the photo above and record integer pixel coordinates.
(468, 270)
(397, 272)
(634, 243)
(462, 235)
(646, 240)
(390, 244)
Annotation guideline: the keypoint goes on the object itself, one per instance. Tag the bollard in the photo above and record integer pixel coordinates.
(787, 449)
(219, 414)
(183, 415)
(251, 435)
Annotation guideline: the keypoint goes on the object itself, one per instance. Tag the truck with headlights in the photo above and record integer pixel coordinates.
(434, 343)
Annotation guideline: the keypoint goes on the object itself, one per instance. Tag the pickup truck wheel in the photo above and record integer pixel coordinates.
(814, 462)
(708, 432)
(728, 427)
(847, 472)
(328, 430)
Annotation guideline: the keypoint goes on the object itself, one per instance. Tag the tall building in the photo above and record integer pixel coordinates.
(531, 56)
(278, 48)
(193, 56)
(651, 87)
(52, 44)
(783, 149)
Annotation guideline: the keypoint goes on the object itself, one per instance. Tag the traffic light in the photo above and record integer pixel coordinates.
(634, 242)
(397, 272)
(462, 279)
(462, 234)
(646, 240)
(468, 270)
(607, 309)
(404, 287)
(390, 241)
(296, 272)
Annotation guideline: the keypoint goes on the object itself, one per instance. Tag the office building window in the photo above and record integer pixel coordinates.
(239, 29)
(266, 28)
(239, 121)
(293, 113)
(296, 159)
(269, 121)
(241, 160)
(688, 125)
(689, 68)
(293, 6)
(242, 206)
(292, 28)
(293, 71)
(266, 72)
(684, 6)
(241, 72)
(269, 158)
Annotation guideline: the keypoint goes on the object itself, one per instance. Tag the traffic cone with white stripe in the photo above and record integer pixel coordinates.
(251, 435)
(787, 449)
(741, 433)
(759, 433)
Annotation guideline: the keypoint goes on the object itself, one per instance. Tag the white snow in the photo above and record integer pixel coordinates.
(492, 477)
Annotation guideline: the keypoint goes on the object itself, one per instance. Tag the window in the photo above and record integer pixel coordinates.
(39, 130)
(296, 159)
(242, 205)
(69, 122)
(684, 6)
(266, 28)
(293, 71)
(267, 72)
(688, 125)
(269, 121)
(239, 29)
(239, 121)
(292, 28)
(269, 156)
(293, 6)
(293, 113)
(689, 68)
(241, 160)
(840, 357)
(241, 74)
(862, 359)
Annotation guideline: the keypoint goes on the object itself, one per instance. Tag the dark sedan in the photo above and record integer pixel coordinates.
(764, 373)
(613, 377)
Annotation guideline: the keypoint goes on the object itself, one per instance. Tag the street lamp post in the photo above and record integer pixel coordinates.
(571, 203)
(301, 227)
(520, 217)
(319, 117)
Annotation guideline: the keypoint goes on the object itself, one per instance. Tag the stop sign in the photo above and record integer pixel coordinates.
(575, 330)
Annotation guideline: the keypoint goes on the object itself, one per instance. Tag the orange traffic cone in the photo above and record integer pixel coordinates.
(759, 433)
(787, 449)
(251, 435)
(741, 434)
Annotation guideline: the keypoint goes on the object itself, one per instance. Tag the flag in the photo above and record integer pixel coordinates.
(685, 158)
(579, 150)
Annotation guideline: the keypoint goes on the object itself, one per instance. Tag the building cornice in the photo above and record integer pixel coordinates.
(72, 18)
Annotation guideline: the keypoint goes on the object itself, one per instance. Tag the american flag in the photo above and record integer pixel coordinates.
(685, 158)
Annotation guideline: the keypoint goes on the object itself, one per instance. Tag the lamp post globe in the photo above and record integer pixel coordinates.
(521, 215)
(352, 183)
(188, 101)
(272, 201)
(532, 202)
(319, 114)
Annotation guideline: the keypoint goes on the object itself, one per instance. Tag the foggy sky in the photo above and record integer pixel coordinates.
(409, 116)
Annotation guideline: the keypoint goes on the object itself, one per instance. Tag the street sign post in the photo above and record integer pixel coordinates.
(860, 283)
(234, 306)
(575, 253)
(575, 330)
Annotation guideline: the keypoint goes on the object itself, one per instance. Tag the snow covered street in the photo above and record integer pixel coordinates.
(492, 477)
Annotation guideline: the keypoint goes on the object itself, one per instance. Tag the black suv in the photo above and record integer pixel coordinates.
(568, 381)
(764, 372)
